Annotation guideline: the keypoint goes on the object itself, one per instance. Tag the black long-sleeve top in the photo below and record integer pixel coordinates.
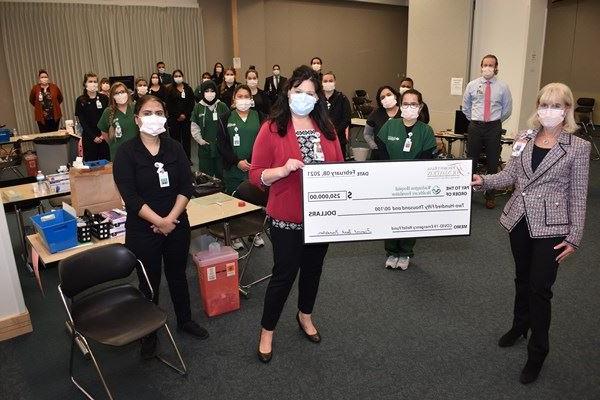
(160, 93)
(338, 108)
(177, 105)
(262, 103)
(88, 114)
(136, 177)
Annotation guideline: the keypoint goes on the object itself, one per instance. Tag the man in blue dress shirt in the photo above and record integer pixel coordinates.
(487, 102)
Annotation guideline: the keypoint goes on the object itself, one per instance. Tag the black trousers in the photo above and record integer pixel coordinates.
(291, 255)
(182, 132)
(155, 249)
(535, 270)
(49, 125)
(93, 151)
(343, 143)
(485, 136)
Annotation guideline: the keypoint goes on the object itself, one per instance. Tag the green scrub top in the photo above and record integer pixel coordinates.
(209, 126)
(393, 135)
(126, 121)
(247, 132)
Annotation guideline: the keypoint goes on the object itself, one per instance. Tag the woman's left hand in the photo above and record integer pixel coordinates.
(181, 118)
(568, 250)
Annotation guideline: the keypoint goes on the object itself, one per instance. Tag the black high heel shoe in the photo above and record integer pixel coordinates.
(511, 337)
(264, 357)
(316, 338)
(530, 372)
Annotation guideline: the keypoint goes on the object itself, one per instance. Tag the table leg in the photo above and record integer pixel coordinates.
(21, 227)
(227, 234)
(450, 141)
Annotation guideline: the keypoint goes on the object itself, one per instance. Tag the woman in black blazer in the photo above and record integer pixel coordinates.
(180, 104)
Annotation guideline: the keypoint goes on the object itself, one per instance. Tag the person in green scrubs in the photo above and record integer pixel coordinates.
(205, 126)
(117, 122)
(405, 139)
(237, 132)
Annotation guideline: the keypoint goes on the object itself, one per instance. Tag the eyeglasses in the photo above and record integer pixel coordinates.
(147, 113)
(414, 106)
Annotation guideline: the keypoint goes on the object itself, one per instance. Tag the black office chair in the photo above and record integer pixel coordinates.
(114, 315)
(585, 111)
(362, 107)
(249, 225)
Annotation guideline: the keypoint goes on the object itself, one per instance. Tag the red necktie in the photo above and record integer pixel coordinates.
(487, 112)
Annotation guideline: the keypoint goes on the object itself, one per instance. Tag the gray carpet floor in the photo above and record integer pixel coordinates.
(426, 333)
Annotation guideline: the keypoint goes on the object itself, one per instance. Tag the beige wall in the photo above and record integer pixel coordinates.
(216, 16)
(571, 48)
(364, 44)
(438, 49)
(7, 108)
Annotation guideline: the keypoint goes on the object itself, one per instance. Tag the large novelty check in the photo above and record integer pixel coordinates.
(386, 200)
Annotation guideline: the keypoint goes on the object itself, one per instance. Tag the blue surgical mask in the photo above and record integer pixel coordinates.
(301, 103)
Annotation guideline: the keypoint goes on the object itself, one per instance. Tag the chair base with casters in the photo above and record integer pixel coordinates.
(114, 316)
(587, 135)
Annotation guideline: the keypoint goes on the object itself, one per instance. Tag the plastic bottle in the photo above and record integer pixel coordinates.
(41, 182)
(78, 129)
(214, 247)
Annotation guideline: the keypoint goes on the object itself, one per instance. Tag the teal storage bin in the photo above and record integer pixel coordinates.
(57, 228)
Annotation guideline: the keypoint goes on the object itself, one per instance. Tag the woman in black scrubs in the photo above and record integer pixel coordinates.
(261, 101)
(388, 107)
(180, 104)
(217, 75)
(338, 108)
(156, 88)
(228, 86)
(153, 176)
(88, 109)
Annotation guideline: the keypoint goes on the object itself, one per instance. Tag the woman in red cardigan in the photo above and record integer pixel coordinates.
(298, 132)
(45, 97)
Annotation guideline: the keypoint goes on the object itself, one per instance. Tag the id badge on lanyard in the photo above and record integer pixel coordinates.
(408, 143)
(215, 117)
(163, 176)
(318, 150)
(518, 147)
(183, 94)
(236, 138)
(98, 104)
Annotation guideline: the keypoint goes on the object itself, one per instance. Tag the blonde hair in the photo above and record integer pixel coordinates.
(551, 93)
(113, 107)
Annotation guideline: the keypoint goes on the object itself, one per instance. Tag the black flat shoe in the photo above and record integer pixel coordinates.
(316, 338)
(264, 357)
(530, 372)
(149, 343)
(193, 329)
(511, 337)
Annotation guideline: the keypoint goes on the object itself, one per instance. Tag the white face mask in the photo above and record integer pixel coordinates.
(550, 117)
(91, 86)
(210, 96)
(105, 87)
(229, 78)
(44, 81)
(178, 79)
(243, 104)
(153, 124)
(276, 72)
(316, 67)
(142, 90)
(161, 70)
(205, 79)
(389, 102)
(487, 72)
(218, 70)
(155, 81)
(121, 98)
(329, 86)
(409, 113)
(252, 83)
(403, 89)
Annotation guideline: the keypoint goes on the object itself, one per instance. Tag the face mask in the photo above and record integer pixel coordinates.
(142, 90)
(329, 86)
(155, 81)
(403, 89)
(209, 96)
(252, 83)
(219, 70)
(105, 87)
(205, 79)
(276, 72)
(161, 70)
(229, 78)
(153, 124)
(301, 103)
(243, 104)
(389, 102)
(409, 112)
(91, 86)
(178, 79)
(121, 98)
(316, 67)
(550, 117)
(487, 72)
(44, 81)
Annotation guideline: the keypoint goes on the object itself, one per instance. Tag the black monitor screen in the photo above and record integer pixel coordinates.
(128, 80)
(461, 123)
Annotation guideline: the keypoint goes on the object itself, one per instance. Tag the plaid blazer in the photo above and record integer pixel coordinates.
(553, 198)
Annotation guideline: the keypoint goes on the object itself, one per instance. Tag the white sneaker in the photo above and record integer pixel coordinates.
(257, 240)
(237, 244)
(391, 262)
(403, 263)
